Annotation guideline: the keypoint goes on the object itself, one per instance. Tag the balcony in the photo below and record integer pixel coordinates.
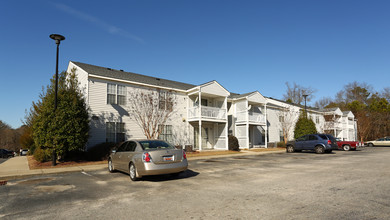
(253, 117)
(207, 112)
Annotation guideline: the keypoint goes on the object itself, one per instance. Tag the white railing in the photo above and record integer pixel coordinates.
(252, 117)
(333, 125)
(350, 122)
(207, 112)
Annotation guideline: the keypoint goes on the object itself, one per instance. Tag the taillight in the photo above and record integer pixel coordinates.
(146, 157)
(184, 155)
(329, 142)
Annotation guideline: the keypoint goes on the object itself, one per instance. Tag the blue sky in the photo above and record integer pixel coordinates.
(244, 45)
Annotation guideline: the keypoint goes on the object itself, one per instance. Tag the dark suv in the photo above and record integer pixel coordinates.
(6, 153)
(320, 143)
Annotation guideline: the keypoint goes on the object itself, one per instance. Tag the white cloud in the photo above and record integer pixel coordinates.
(112, 29)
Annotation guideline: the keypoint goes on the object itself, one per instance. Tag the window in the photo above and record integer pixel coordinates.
(281, 118)
(312, 138)
(165, 102)
(121, 95)
(281, 136)
(111, 93)
(116, 94)
(115, 132)
(165, 133)
(317, 119)
(204, 102)
(110, 132)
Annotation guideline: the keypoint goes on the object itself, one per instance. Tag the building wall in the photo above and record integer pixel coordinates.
(101, 113)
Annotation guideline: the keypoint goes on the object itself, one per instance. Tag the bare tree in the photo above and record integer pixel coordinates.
(323, 102)
(151, 109)
(386, 93)
(355, 91)
(287, 117)
(295, 93)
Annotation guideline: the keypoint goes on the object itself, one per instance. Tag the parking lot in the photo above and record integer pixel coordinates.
(340, 185)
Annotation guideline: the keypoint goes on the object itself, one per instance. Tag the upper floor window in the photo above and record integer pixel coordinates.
(165, 101)
(116, 94)
(281, 118)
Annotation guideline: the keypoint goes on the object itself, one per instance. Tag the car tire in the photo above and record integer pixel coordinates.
(346, 147)
(319, 149)
(370, 144)
(133, 172)
(290, 149)
(110, 166)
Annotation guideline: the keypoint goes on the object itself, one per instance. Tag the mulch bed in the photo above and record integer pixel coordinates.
(33, 164)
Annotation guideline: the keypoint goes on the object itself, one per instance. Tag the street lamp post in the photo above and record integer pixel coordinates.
(305, 96)
(58, 38)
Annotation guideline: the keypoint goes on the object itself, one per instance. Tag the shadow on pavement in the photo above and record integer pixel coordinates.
(168, 177)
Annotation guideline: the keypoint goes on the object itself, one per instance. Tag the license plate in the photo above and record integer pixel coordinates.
(168, 158)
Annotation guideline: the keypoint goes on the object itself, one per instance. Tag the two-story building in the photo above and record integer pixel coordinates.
(203, 115)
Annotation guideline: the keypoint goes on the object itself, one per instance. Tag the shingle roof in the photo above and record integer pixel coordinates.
(134, 77)
(237, 96)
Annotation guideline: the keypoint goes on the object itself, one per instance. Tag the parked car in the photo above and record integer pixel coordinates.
(320, 143)
(24, 152)
(379, 142)
(347, 145)
(6, 153)
(140, 158)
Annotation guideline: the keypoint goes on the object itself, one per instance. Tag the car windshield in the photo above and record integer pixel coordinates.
(154, 144)
(338, 139)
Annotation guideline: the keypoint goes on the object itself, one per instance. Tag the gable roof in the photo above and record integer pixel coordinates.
(132, 77)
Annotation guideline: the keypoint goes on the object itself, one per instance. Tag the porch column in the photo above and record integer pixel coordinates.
(226, 126)
(266, 126)
(247, 123)
(200, 119)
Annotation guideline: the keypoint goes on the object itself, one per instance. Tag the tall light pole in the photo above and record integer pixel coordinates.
(305, 96)
(58, 38)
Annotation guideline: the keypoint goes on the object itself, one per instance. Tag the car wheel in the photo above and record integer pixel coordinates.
(290, 149)
(110, 166)
(320, 149)
(133, 172)
(370, 145)
(346, 147)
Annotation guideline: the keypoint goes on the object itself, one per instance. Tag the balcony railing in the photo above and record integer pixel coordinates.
(253, 117)
(207, 113)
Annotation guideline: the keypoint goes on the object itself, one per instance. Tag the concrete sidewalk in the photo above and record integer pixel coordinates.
(17, 167)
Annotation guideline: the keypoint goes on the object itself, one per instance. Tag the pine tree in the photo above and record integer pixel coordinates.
(304, 126)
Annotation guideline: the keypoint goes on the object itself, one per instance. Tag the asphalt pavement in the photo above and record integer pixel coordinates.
(17, 167)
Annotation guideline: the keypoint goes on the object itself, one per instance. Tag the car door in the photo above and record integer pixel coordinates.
(128, 154)
(300, 142)
(311, 142)
(117, 156)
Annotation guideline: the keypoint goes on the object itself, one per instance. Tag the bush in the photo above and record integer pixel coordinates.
(100, 151)
(304, 126)
(233, 143)
(42, 155)
(281, 144)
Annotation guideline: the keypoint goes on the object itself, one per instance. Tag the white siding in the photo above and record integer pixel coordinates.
(115, 113)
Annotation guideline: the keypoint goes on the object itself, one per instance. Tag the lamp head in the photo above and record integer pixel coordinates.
(58, 38)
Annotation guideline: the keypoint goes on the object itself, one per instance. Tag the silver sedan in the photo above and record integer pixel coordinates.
(147, 157)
